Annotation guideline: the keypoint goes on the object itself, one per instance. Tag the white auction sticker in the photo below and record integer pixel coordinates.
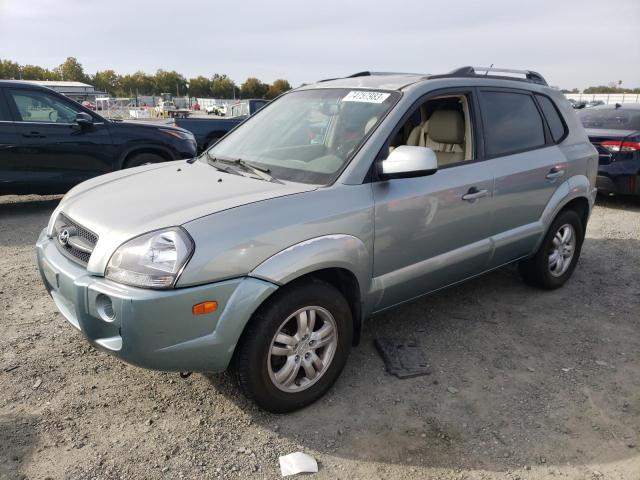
(367, 97)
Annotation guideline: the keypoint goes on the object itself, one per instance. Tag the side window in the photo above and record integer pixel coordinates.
(442, 124)
(556, 125)
(511, 122)
(37, 106)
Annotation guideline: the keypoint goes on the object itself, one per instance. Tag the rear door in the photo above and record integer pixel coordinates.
(528, 167)
(55, 152)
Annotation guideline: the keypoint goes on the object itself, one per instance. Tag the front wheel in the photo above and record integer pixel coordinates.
(295, 346)
(555, 260)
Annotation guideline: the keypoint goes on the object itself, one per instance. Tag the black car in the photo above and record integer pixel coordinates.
(615, 132)
(49, 143)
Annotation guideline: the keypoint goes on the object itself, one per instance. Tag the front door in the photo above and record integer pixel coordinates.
(433, 231)
(55, 152)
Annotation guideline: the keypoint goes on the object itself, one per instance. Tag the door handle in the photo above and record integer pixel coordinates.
(33, 135)
(554, 173)
(474, 194)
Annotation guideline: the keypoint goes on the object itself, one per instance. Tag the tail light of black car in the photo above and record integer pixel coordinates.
(621, 146)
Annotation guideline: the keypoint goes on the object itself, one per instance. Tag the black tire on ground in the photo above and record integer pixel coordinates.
(143, 159)
(536, 271)
(251, 362)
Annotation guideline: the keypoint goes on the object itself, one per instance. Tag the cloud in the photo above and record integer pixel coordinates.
(573, 43)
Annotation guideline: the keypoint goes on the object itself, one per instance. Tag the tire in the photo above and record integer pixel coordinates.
(541, 270)
(258, 369)
(212, 142)
(143, 159)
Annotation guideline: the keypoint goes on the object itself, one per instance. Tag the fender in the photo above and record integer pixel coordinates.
(575, 187)
(328, 251)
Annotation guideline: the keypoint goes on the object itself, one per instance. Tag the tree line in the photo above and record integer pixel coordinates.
(170, 81)
(141, 83)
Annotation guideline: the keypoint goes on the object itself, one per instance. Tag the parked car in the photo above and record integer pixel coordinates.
(49, 143)
(615, 132)
(594, 103)
(89, 105)
(208, 131)
(338, 200)
(217, 110)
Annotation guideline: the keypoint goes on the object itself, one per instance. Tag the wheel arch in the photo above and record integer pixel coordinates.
(343, 261)
(138, 149)
(577, 193)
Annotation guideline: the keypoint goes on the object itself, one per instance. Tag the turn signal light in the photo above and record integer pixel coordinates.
(204, 307)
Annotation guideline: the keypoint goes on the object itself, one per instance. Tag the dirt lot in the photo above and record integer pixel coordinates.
(525, 384)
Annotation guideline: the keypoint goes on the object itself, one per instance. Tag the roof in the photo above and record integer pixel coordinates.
(399, 81)
(56, 83)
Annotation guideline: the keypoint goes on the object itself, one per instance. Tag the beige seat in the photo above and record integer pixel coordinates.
(445, 136)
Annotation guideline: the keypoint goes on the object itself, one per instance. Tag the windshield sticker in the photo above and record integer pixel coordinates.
(366, 97)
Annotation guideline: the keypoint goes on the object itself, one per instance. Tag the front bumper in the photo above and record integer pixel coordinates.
(152, 328)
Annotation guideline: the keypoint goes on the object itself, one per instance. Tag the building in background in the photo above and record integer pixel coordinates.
(77, 91)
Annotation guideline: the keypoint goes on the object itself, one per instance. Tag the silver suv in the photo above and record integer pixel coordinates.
(334, 202)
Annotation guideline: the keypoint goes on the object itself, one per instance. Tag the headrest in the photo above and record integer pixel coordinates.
(446, 126)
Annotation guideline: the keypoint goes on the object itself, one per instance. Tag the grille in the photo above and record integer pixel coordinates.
(73, 240)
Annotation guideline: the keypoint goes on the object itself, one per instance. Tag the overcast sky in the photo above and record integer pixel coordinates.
(572, 43)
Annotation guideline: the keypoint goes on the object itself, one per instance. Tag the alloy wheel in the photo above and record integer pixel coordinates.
(562, 250)
(302, 349)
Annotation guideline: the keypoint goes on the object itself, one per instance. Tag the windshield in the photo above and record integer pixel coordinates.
(614, 119)
(307, 136)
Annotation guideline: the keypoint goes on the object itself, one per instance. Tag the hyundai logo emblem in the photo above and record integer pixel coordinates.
(63, 237)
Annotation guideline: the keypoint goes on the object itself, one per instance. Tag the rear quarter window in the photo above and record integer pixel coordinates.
(511, 122)
(554, 120)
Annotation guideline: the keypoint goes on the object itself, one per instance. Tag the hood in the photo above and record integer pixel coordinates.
(124, 204)
(146, 125)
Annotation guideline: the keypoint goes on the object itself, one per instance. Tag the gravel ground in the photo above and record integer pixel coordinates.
(525, 384)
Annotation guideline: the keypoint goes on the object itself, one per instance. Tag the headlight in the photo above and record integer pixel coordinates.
(152, 260)
(177, 133)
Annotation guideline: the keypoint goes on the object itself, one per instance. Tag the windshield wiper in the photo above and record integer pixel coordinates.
(263, 173)
(211, 160)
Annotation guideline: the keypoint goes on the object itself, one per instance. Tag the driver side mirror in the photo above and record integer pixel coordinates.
(408, 161)
(83, 119)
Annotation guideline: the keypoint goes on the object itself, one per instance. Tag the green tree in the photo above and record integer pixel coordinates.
(223, 87)
(170, 82)
(253, 88)
(278, 87)
(71, 71)
(9, 70)
(34, 72)
(106, 81)
(199, 87)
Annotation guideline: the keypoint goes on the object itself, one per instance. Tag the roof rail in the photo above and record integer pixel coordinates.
(529, 75)
(367, 74)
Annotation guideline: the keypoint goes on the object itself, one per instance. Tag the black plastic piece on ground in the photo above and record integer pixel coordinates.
(404, 359)
(185, 374)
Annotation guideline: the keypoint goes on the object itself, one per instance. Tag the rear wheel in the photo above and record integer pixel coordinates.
(143, 159)
(555, 260)
(295, 346)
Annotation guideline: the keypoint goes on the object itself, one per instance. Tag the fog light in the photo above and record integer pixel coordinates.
(204, 307)
(104, 307)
